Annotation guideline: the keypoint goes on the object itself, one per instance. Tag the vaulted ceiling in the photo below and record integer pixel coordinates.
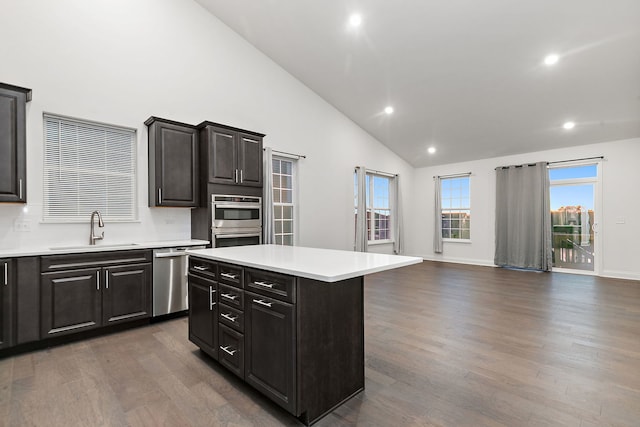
(466, 77)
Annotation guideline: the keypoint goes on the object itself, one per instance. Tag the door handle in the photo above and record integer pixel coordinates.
(6, 274)
(106, 279)
(97, 280)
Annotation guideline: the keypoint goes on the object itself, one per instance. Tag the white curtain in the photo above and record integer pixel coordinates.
(437, 220)
(267, 198)
(396, 217)
(361, 240)
(523, 217)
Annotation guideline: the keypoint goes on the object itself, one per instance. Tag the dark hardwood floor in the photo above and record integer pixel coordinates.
(446, 345)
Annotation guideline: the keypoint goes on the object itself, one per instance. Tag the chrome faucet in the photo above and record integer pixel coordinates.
(92, 236)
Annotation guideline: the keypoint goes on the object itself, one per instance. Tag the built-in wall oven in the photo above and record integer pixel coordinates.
(236, 220)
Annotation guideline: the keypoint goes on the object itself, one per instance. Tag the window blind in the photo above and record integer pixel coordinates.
(88, 166)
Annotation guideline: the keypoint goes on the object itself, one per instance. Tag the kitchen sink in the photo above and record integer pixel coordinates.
(90, 247)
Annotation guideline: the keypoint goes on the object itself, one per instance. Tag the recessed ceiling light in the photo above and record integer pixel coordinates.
(551, 59)
(569, 125)
(388, 110)
(431, 150)
(355, 20)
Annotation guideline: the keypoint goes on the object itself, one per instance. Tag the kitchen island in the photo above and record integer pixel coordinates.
(287, 320)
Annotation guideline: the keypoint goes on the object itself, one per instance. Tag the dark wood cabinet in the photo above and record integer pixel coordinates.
(6, 300)
(88, 291)
(270, 356)
(203, 313)
(230, 155)
(231, 353)
(127, 294)
(13, 143)
(173, 163)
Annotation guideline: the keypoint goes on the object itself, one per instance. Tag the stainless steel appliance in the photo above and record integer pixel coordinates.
(236, 220)
(170, 268)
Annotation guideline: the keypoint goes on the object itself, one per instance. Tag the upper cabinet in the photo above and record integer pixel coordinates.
(13, 143)
(173, 163)
(230, 155)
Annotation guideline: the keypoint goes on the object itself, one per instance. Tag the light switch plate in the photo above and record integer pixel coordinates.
(620, 220)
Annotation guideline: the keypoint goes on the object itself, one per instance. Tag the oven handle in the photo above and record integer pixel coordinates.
(233, 236)
(217, 205)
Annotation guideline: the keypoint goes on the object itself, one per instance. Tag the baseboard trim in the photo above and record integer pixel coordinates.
(613, 274)
(480, 262)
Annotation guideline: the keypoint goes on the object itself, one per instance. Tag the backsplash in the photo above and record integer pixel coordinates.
(25, 230)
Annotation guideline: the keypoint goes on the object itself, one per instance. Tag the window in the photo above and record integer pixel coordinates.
(283, 201)
(378, 206)
(456, 208)
(88, 166)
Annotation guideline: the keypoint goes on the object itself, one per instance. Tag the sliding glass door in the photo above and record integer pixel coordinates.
(574, 218)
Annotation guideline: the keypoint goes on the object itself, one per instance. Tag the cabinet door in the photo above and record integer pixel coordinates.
(13, 181)
(250, 160)
(175, 152)
(223, 157)
(203, 314)
(126, 294)
(6, 307)
(270, 361)
(71, 302)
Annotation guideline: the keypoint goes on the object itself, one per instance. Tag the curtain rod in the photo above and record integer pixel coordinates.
(298, 156)
(552, 163)
(379, 172)
(452, 175)
(576, 160)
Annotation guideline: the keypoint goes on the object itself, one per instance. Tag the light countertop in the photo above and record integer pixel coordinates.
(58, 249)
(327, 265)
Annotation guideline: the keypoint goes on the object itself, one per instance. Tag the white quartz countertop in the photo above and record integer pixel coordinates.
(58, 249)
(328, 265)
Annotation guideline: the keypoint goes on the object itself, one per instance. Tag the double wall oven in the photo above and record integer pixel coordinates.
(236, 220)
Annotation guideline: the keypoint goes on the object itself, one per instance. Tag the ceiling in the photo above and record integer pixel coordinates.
(464, 76)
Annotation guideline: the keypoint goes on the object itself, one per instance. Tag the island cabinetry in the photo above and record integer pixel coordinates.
(270, 339)
(173, 163)
(6, 303)
(230, 155)
(89, 291)
(13, 143)
(231, 318)
(203, 305)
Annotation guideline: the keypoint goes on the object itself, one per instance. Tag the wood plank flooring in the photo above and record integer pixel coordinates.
(446, 345)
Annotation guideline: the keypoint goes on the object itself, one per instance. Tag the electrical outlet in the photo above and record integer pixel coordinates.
(23, 225)
(620, 220)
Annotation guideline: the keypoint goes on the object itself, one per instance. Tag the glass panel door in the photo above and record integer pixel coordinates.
(574, 218)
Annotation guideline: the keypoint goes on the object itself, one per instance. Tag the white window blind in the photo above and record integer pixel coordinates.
(88, 166)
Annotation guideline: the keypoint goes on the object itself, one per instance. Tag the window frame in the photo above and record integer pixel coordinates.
(371, 208)
(49, 215)
(459, 209)
(293, 204)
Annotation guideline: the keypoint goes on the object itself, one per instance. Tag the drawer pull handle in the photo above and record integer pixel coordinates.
(266, 285)
(199, 268)
(229, 276)
(226, 350)
(262, 302)
(229, 317)
(229, 296)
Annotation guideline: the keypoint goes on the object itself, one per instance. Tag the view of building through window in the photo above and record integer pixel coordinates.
(456, 208)
(283, 200)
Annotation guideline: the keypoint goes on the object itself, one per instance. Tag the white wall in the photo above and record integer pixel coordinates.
(620, 177)
(121, 61)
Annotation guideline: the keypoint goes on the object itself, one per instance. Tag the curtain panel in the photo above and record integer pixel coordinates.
(267, 197)
(437, 216)
(523, 218)
(361, 238)
(396, 217)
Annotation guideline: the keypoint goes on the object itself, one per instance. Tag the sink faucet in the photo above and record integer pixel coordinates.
(92, 236)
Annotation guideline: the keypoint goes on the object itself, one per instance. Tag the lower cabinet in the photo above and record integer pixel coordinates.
(231, 353)
(270, 361)
(203, 314)
(6, 306)
(88, 298)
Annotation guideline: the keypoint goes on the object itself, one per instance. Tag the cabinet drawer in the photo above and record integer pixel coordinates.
(231, 275)
(279, 286)
(203, 268)
(233, 297)
(231, 317)
(231, 353)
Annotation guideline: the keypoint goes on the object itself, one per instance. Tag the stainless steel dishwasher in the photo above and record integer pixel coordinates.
(170, 269)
